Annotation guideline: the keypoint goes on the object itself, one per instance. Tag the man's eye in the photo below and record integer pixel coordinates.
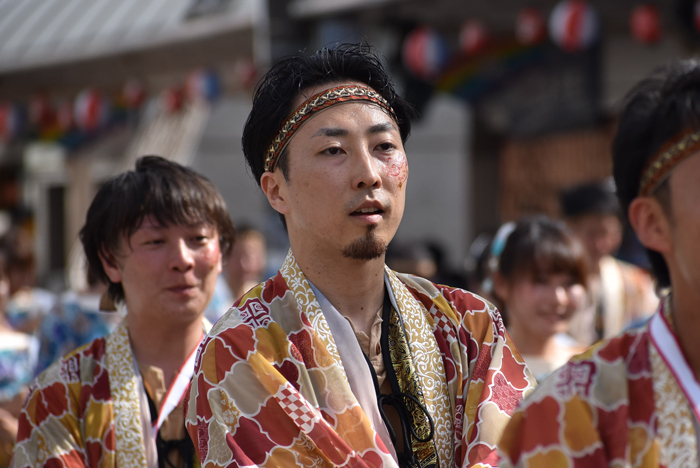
(333, 151)
(386, 147)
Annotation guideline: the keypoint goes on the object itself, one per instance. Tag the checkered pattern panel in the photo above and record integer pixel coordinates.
(296, 406)
(442, 323)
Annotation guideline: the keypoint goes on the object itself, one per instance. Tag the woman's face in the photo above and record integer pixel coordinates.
(543, 304)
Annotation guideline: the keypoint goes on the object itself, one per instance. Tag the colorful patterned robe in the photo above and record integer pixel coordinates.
(84, 410)
(270, 390)
(617, 405)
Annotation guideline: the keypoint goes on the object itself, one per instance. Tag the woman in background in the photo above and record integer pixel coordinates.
(18, 354)
(539, 277)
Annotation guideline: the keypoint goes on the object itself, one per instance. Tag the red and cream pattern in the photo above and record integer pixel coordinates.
(84, 411)
(270, 389)
(617, 405)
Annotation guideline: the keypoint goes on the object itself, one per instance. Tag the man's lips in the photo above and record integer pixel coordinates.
(181, 288)
(368, 208)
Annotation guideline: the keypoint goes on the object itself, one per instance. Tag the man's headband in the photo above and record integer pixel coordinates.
(659, 166)
(316, 103)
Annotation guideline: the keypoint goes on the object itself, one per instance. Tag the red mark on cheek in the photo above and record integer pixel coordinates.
(398, 169)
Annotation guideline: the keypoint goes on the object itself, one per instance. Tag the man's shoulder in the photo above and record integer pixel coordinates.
(459, 300)
(80, 365)
(602, 375)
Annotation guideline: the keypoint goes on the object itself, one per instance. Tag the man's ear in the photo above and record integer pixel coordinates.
(651, 224)
(274, 186)
(110, 267)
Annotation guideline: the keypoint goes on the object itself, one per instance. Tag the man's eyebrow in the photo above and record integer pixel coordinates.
(330, 131)
(382, 127)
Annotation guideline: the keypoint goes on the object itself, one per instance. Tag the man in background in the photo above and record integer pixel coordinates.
(620, 293)
(156, 236)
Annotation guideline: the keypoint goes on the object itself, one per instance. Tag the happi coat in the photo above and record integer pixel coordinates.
(627, 402)
(270, 388)
(88, 409)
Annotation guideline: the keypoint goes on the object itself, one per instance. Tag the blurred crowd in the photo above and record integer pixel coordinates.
(557, 283)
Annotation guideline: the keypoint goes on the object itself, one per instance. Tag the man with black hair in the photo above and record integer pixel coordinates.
(634, 400)
(156, 236)
(620, 293)
(337, 360)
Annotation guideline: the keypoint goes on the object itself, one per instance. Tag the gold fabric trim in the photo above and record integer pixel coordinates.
(316, 103)
(123, 386)
(659, 167)
(429, 369)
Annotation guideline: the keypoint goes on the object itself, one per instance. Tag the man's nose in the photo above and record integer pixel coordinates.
(367, 170)
(182, 257)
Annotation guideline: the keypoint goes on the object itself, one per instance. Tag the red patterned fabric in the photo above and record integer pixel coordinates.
(270, 390)
(616, 405)
(67, 420)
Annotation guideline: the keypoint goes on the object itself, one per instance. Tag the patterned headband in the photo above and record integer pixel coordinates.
(659, 167)
(316, 103)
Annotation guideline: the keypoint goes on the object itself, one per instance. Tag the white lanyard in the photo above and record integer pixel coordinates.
(666, 343)
(177, 390)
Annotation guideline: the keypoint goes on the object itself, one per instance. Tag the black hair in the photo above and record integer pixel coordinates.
(540, 246)
(656, 110)
(593, 198)
(170, 193)
(280, 87)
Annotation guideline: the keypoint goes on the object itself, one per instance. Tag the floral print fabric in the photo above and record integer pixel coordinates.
(616, 405)
(269, 388)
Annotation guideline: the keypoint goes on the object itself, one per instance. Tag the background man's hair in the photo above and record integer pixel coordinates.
(281, 85)
(169, 193)
(593, 198)
(655, 110)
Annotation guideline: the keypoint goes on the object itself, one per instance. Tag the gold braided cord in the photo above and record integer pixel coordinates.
(659, 167)
(315, 103)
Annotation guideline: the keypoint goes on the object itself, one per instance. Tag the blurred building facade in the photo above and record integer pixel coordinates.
(504, 123)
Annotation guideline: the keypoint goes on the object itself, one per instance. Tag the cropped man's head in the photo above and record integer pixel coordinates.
(592, 212)
(158, 190)
(657, 133)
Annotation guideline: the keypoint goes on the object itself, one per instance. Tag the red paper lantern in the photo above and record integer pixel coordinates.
(530, 28)
(40, 112)
(473, 37)
(134, 94)
(64, 116)
(172, 99)
(245, 72)
(696, 15)
(424, 53)
(91, 111)
(573, 25)
(645, 24)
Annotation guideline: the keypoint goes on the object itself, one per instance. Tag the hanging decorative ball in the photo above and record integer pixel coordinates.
(10, 122)
(424, 53)
(40, 112)
(473, 37)
(172, 99)
(573, 25)
(245, 72)
(134, 93)
(64, 116)
(91, 111)
(645, 24)
(530, 28)
(203, 84)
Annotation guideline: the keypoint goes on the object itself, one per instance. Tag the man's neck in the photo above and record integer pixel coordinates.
(354, 287)
(685, 306)
(166, 346)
